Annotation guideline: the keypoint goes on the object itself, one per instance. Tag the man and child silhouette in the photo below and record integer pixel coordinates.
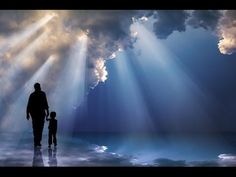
(37, 109)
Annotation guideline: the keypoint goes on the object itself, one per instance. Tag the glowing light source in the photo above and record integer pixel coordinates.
(143, 19)
(113, 55)
(100, 149)
(134, 34)
(100, 70)
(82, 36)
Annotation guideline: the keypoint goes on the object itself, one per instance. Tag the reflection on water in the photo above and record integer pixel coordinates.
(52, 157)
(37, 159)
(109, 150)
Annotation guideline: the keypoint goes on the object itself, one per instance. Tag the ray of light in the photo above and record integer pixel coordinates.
(11, 73)
(15, 118)
(15, 39)
(130, 98)
(70, 90)
(176, 90)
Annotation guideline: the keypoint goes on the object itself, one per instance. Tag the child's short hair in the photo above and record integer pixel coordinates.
(53, 114)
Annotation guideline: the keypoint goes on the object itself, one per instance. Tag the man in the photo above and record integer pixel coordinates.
(37, 108)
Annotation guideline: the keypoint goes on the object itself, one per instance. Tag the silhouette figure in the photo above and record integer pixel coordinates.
(52, 157)
(37, 159)
(37, 108)
(52, 129)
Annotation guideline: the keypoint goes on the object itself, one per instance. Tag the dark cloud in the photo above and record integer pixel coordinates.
(229, 18)
(207, 163)
(14, 20)
(169, 21)
(207, 19)
(164, 162)
(169, 162)
(108, 29)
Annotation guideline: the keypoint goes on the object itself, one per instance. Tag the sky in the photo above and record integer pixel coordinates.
(121, 70)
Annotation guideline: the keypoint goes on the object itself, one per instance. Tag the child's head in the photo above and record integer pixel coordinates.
(53, 114)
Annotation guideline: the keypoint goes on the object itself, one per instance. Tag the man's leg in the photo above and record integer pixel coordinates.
(40, 131)
(34, 124)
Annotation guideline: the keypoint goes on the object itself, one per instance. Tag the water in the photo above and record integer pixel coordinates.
(107, 149)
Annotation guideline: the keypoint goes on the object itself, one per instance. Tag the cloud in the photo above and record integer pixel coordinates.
(169, 162)
(223, 160)
(222, 23)
(108, 31)
(204, 163)
(169, 21)
(100, 70)
(13, 20)
(227, 43)
(227, 157)
(207, 19)
(227, 33)
(77, 151)
(100, 149)
(74, 152)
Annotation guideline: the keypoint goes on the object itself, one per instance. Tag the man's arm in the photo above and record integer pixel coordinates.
(46, 105)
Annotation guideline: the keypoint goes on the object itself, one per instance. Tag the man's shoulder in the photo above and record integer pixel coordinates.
(37, 94)
(32, 94)
(41, 92)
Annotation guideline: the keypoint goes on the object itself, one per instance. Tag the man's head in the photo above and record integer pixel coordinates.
(53, 114)
(37, 87)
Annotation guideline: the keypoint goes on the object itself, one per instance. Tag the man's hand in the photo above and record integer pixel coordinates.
(28, 117)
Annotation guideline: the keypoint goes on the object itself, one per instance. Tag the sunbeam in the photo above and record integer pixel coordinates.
(70, 90)
(14, 69)
(14, 119)
(174, 92)
(129, 88)
(15, 39)
(134, 111)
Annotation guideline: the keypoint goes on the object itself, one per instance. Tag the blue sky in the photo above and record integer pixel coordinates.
(208, 107)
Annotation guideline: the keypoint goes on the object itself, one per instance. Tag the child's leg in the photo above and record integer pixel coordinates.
(54, 139)
(50, 138)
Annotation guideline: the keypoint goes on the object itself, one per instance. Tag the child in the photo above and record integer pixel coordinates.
(52, 129)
